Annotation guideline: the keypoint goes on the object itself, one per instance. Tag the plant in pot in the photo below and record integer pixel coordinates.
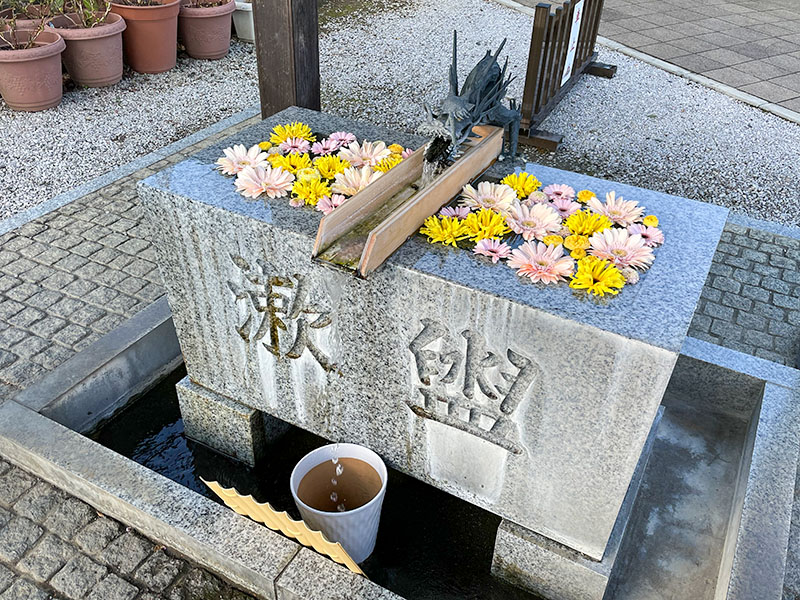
(28, 14)
(30, 66)
(243, 21)
(93, 35)
(205, 27)
(150, 40)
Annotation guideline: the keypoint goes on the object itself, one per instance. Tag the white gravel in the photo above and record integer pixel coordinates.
(380, 60)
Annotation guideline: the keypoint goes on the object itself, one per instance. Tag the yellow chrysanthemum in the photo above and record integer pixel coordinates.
(281, 133)
(650, 221)
(330, 165)
(597, 277)
(523, 183)
(584, 222)
(578, 253)
(444, 230)
(306, 175)
(389, 162)
(291, 162)
(396, 149)
(576, 242)
(311, 191)
(553, 240)
(265, 146)
(485, 224)
(585, 195)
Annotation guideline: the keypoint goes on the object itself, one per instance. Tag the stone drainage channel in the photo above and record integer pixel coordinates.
(711, 519)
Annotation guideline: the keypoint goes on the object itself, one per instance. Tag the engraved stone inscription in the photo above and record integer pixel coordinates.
(276, 304)
(467, 386)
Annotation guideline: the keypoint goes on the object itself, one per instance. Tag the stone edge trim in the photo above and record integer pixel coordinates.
(96, 382)
(770, 107)
(109, 177)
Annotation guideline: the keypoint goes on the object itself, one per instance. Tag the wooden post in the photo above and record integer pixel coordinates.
(287, 51)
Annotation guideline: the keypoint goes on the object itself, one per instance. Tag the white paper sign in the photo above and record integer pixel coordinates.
(573, 42)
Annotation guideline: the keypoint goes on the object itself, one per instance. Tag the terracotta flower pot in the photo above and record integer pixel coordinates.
(93, 56)
(30, 79)
(32, 18)
(206, 32)
(150, 41)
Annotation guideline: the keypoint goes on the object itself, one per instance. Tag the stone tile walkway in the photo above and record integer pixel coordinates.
(751, 46)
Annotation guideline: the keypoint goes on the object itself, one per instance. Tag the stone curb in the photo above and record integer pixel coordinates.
(105, 179)
(770, 107)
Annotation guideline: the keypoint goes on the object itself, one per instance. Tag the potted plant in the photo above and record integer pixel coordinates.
(150, 40)
(26, 13)
(93, 37)
(30, 66)
(243, 21)
(205, 27)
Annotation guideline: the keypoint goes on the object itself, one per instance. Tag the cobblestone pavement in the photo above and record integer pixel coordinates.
(74, 274)
(55, 546)
(751, 300)
(751, 46)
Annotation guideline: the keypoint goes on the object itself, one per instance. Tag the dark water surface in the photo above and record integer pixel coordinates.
(431, 545)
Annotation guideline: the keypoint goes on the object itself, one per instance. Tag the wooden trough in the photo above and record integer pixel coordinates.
(364, 231)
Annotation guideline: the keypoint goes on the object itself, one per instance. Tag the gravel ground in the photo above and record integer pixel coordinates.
(380, 60)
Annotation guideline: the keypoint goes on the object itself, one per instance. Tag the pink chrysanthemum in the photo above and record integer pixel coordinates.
(494, 249)
(342, 138)
(326, 146)
(652, 236)
(541, 262)
(621, 248)
(565, 207)
(621, 212)
(557, 191)
(327, 204)
(534, 221)
(352, 180)
(239, 157)
(460, 212)
(537, 197)
(254, 181)
(295, 146)
(406, 153)
(367, 154)
(498, 197)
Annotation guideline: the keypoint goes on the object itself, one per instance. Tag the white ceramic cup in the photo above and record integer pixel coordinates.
(355, 529)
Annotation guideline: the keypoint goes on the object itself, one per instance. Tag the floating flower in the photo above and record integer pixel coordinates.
(310, 191)
(540, 262)
(396, 148)
(291, 162)
(352, 180)
(325, 147)
(553, 240)
(389, 162)
(576, 242)
(524, 184)
(558, 191)
(585, 195)
(534, 221)
(587, 223)
(295, 146)
(621, 248)
(454, 211)
(281, 133)
(444, 230)
(254, 181)
(329, 166)
(537, 198)
(342, 138)
(494, 249)
(306, 175)
(264, 146)
(630, 274)
(565, 207)
(368, 153)
(406, 153)
(597, 277)
(650, 221)
(485, 224)
(622, 212)
(578, 253)
(652, 236)
(239, 157)
(327, 204)
(494, 196)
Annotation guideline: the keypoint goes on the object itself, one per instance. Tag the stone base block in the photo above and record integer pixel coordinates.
(225, 425)
(554, 571)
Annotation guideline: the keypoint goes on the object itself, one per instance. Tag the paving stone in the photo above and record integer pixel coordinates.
(718, 312)
(782, 262)
(51, 256)
(700, 323)
(67, 241)
(197, 584)
(95, 233)
(26, 317)
(9, 308)
(770, 355)
(720, 269)
(44, 299)
(71, 262)
(8, 282)
(22, 589)
(65, 307)
(112, 240)
(87, 315)
(745, 241)
(769, 311)
(16, 242)
(90, 270)
(755, 293)
(126, 552)
(37, 502)
(46, 559)
(10, 335)
(79, 288)
(736, 301)
(6, 577)
(107, 323)
(20, 373)
(52, 356)
(5, 517)
(134, 246)
(101, 295)
(78, 577)
(158, 571)
(93, 538)
(123, 304)
(786, 301)
(19, 267)
(58, 280)
(759, 339)
(150, 292)
(754, 255)
(113, 588)
(22, 292)
(86, 248)
(30, 346)
(86, 342)
(71, 334)
(111, 278)
(71, 517)
(7, 358)
(13, 483)
(726, 330)
(777, 285)
(17, 537)
(751, 321)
